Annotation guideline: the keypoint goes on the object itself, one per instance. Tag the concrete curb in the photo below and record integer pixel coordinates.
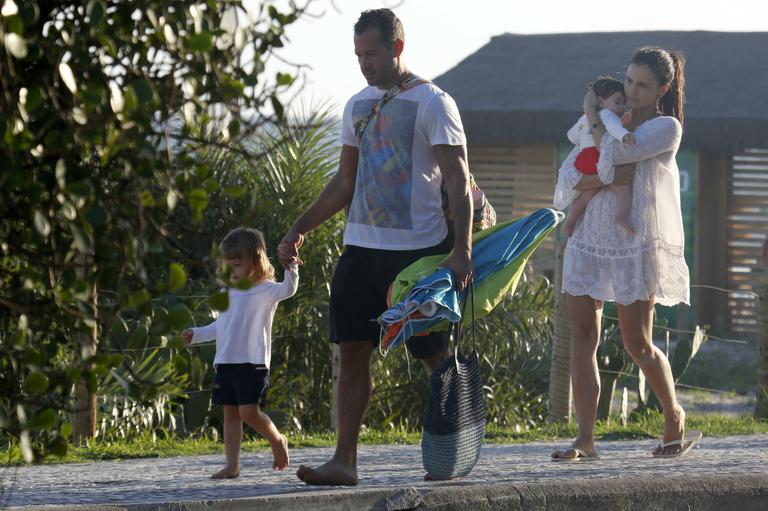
(745, 492)
(709, 492)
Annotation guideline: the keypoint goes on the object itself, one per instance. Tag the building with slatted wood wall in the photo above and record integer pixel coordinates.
(747, 226)
(519, 94)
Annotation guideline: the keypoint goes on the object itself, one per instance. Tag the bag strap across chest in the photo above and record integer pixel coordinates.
(410, 82)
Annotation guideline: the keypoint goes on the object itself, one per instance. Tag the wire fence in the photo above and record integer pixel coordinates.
(656, 327)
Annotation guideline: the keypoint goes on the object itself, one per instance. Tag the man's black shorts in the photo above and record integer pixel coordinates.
(240, 384)
(359, 295)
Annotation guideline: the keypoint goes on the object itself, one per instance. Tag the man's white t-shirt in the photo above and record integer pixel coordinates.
(397, 203)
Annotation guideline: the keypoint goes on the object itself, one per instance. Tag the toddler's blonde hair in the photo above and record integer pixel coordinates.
(248, 245)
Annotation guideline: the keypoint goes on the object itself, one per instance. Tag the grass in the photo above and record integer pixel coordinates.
(145, 446)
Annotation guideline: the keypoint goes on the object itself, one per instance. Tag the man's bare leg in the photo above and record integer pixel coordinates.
(233, 437)
(623, 206)
(354, 395)
(576, 210)
(431, 363)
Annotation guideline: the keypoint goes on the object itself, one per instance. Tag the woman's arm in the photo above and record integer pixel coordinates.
(653, 138)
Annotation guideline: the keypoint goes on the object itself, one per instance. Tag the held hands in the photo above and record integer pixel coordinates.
(288, 249)
(629, 138)
(460, 263)
(187, 336)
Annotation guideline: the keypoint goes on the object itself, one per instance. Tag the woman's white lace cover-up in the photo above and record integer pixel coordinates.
(601, 259)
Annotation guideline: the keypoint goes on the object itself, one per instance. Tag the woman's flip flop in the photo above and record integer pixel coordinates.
(690, 439)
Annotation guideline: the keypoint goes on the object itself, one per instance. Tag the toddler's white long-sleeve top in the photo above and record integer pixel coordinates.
(243, 332)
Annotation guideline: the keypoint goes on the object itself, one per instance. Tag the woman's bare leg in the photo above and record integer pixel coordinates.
(586, 314)
(636, 322)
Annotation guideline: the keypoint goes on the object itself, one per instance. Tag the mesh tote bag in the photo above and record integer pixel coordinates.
(454, 425)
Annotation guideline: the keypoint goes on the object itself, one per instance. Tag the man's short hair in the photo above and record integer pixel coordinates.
(389, 25)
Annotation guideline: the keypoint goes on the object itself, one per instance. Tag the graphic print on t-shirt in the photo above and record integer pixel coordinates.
(384, 170)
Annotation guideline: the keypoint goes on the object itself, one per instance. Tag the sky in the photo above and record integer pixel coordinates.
(441, 33)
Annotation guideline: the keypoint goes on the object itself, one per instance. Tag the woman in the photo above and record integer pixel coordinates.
(603, 261)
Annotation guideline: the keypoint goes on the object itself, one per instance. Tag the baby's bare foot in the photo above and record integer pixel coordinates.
(280, 454)
(623, 222)
(226, 473)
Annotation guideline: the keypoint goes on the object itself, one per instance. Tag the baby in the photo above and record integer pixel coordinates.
(610, 93)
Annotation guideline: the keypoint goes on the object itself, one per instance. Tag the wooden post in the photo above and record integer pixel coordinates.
(560, 367)
(761, 407)
(711, 241)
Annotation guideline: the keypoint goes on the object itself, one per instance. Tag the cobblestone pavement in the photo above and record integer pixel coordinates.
(156, 480)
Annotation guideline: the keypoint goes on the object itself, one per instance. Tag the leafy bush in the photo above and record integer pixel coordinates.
(102, 107)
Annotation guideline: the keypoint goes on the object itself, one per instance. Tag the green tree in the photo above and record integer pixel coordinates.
(103, 108)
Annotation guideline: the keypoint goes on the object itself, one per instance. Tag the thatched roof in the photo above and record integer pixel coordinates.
(528, 88)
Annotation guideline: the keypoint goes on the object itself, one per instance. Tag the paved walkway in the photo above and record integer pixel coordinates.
(145, 483)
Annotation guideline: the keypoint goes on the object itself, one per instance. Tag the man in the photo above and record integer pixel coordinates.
(391, 182)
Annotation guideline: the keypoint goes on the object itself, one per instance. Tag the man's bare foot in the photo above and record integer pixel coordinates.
(333, 473)
(280, 454)
(226, 473)
(575, 451)
(623, 222)
(674, 429)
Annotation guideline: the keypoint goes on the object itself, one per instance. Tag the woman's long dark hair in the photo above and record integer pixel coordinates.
(668, 68)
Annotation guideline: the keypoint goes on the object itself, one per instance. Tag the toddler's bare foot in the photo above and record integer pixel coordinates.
(226, 473)
(623, 222)
(280, 454)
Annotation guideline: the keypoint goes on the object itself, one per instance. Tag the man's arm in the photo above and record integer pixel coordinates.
(336, 194)
(455, 170)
